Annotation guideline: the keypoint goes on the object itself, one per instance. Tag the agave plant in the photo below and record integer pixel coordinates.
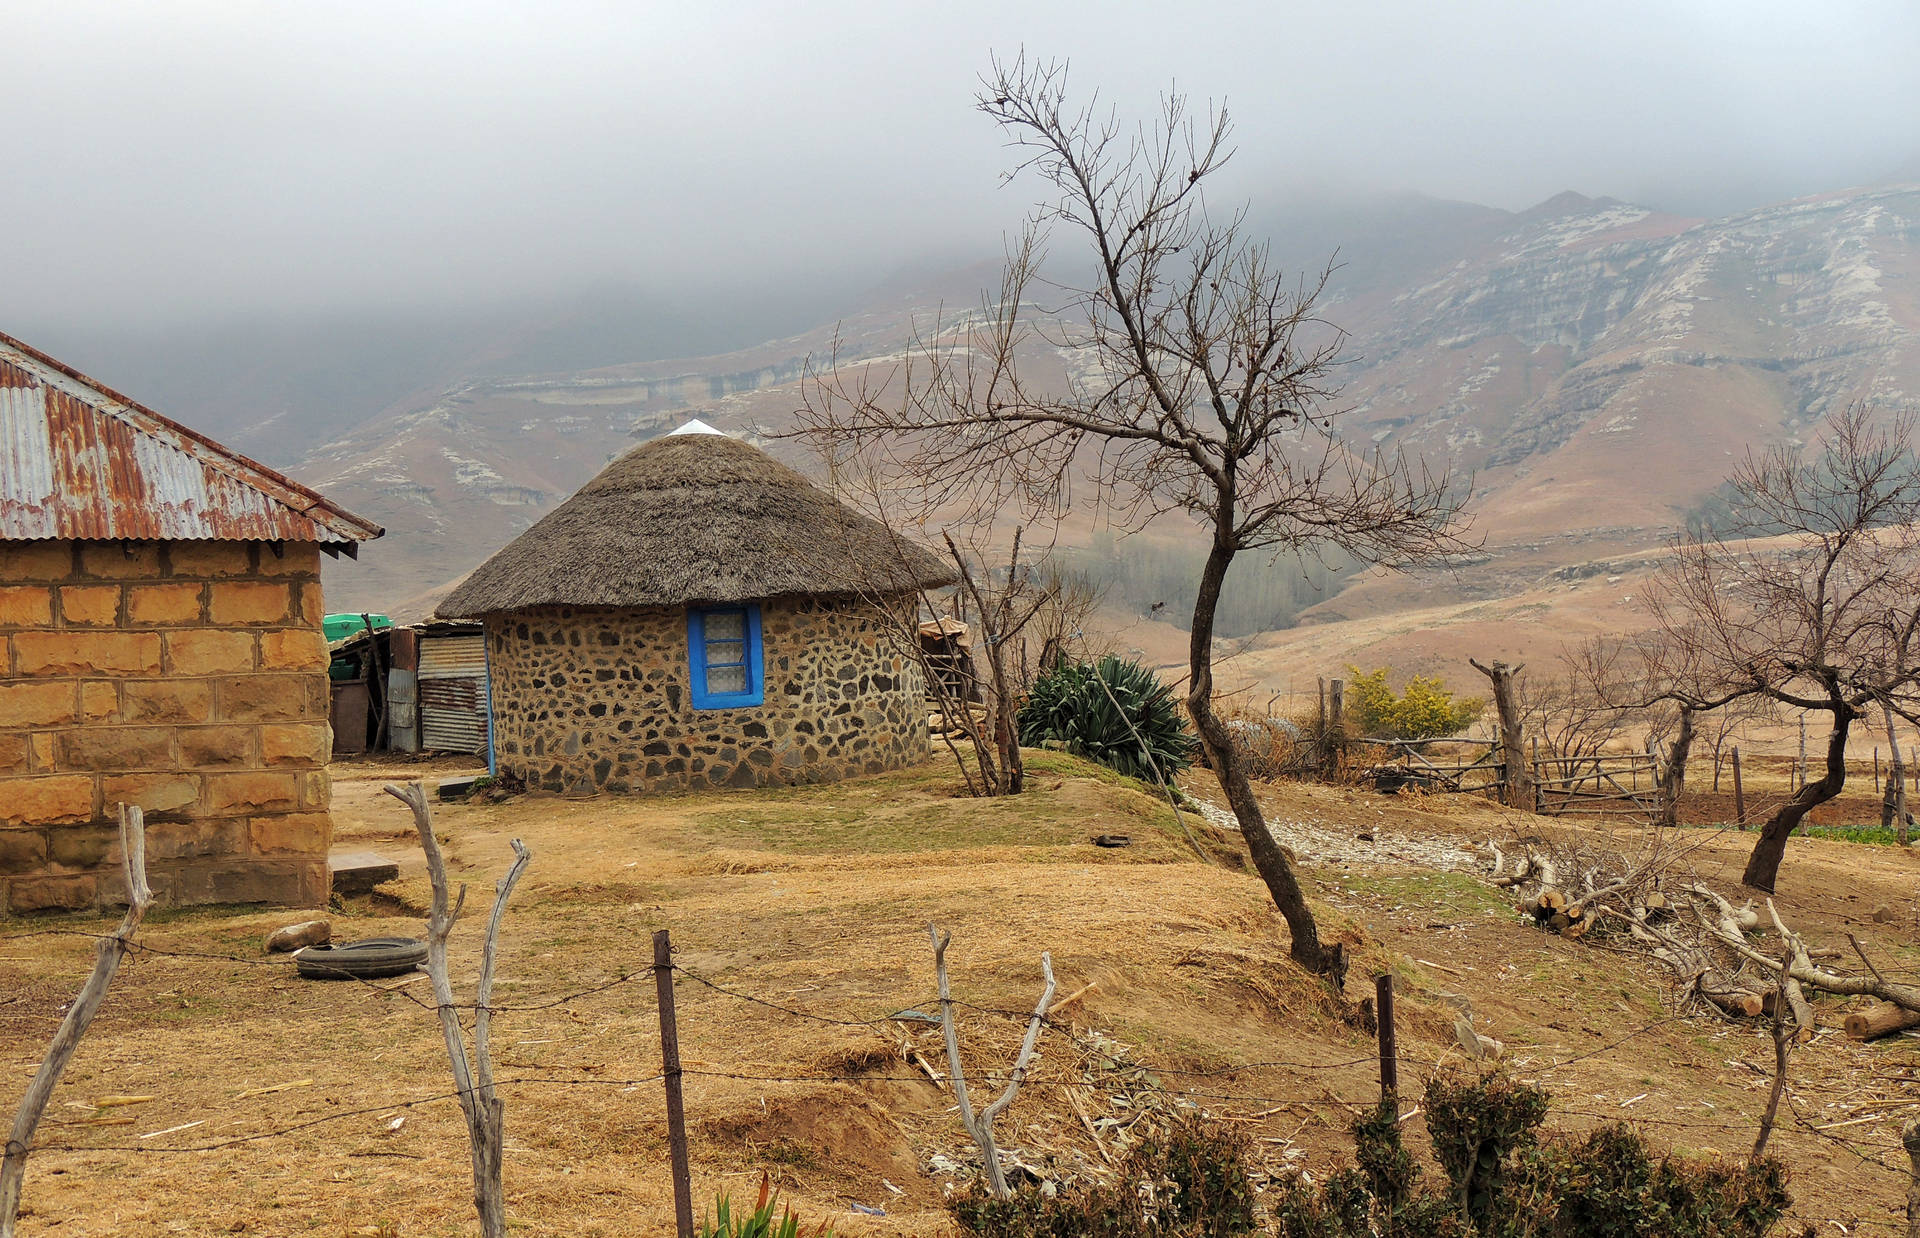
(761, 1222)
(1111, 711)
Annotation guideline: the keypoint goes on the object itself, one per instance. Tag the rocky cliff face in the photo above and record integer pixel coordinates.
(1595, 364)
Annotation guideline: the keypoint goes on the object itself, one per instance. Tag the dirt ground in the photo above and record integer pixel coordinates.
(817, 900)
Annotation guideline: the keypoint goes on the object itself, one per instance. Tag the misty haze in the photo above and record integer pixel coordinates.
(1243, 514)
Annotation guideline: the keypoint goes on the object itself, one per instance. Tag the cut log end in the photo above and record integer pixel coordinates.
(1880, 1019)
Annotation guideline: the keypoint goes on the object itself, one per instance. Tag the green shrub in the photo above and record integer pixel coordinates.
(1426, 710)
(1505, 1181)
(1111, 711)
(760, 1223)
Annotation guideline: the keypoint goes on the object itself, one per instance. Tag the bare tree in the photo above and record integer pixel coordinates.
(483, 1109)
(1201, 381)
(1808, 599)
(66, 1038)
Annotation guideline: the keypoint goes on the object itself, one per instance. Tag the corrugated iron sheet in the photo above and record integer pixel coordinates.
(453, 693)
(78, 460)
(453, 657)
(453, 715)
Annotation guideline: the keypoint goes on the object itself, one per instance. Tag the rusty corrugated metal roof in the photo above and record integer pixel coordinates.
(79, 460)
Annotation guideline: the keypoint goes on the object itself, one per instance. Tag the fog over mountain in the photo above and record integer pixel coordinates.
(435, 183)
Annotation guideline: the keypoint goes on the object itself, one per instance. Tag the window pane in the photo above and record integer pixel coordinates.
(726, 625)
(724, 679)
(723, 652)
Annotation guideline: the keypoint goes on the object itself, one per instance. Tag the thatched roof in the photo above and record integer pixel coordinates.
(694, 518)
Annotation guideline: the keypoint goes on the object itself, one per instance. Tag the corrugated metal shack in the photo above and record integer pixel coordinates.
(411, 689)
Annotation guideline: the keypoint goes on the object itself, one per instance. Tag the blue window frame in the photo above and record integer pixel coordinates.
(723, 655)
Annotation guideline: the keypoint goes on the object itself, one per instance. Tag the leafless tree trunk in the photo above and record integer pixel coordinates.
(1673, 771)
(980, 1125)
(1782, 1039)
(483, 1109)
(66, 1038)
(1893, 809)
(1513, 748)
(1212, 396)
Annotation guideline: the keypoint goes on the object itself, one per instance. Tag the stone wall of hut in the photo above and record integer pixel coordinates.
(597, 699)
(186, 677)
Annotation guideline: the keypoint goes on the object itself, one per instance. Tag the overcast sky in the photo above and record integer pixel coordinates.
(180, 162)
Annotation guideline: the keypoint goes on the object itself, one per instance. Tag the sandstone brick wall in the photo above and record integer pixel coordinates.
(186, 677)
(589, 699)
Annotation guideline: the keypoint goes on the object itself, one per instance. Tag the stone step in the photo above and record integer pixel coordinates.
(357, 872)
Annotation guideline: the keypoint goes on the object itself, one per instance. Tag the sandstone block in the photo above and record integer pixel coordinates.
(251, 793)
(168, 700)
(90, 606)
(13, 753)
(208, 652)
(120, 560)
(99, 700)
(178, 840)
(35, 560)
(316, 789)
(209, 560)
(217, 745)
(302, 833)
(22, 851)
(79, 847)
(42, 761)
(305, 743)
(30, 894)
(159, 795)
(244, 881)
(30, 704)
(114, 748)
(311, 605)
(238, 603)
(296, 559)
(164, 605)
(25, 606)
(293, 649)
(58, 800)
(87, 653)
(268, 698)
(299, 936)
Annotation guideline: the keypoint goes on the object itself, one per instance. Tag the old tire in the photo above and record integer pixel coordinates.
(361, 960)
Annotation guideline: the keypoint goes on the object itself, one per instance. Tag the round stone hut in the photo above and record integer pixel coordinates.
(701, 615)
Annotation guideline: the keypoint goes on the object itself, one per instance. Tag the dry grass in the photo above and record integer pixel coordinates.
(818, 898)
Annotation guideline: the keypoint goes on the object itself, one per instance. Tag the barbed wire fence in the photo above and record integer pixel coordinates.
(1343, 1083)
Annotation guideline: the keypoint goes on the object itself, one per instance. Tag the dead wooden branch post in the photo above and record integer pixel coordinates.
(483, 1109)
(1333, 742)
(1739, 793)
(108, 955)
(1910, 1139)
(1513, 748)
(980, 1125)
(670, 1071)
(1782, 1039)
(1389, 1053)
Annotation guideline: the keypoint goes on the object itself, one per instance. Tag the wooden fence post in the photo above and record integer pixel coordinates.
(1336, 734)
(670, 1069)
(1739, 793)
(1389, 1056)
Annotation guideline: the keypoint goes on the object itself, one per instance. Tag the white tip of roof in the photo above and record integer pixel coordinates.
(697, 426)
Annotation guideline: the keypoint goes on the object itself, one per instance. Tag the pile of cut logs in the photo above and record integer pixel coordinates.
(1698, 934)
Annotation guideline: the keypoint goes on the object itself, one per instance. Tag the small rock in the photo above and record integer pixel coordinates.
(1883, 914)
(299, 936)
(1365, 836)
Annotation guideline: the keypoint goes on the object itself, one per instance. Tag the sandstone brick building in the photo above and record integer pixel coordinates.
(160, 628)
(700, 615)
